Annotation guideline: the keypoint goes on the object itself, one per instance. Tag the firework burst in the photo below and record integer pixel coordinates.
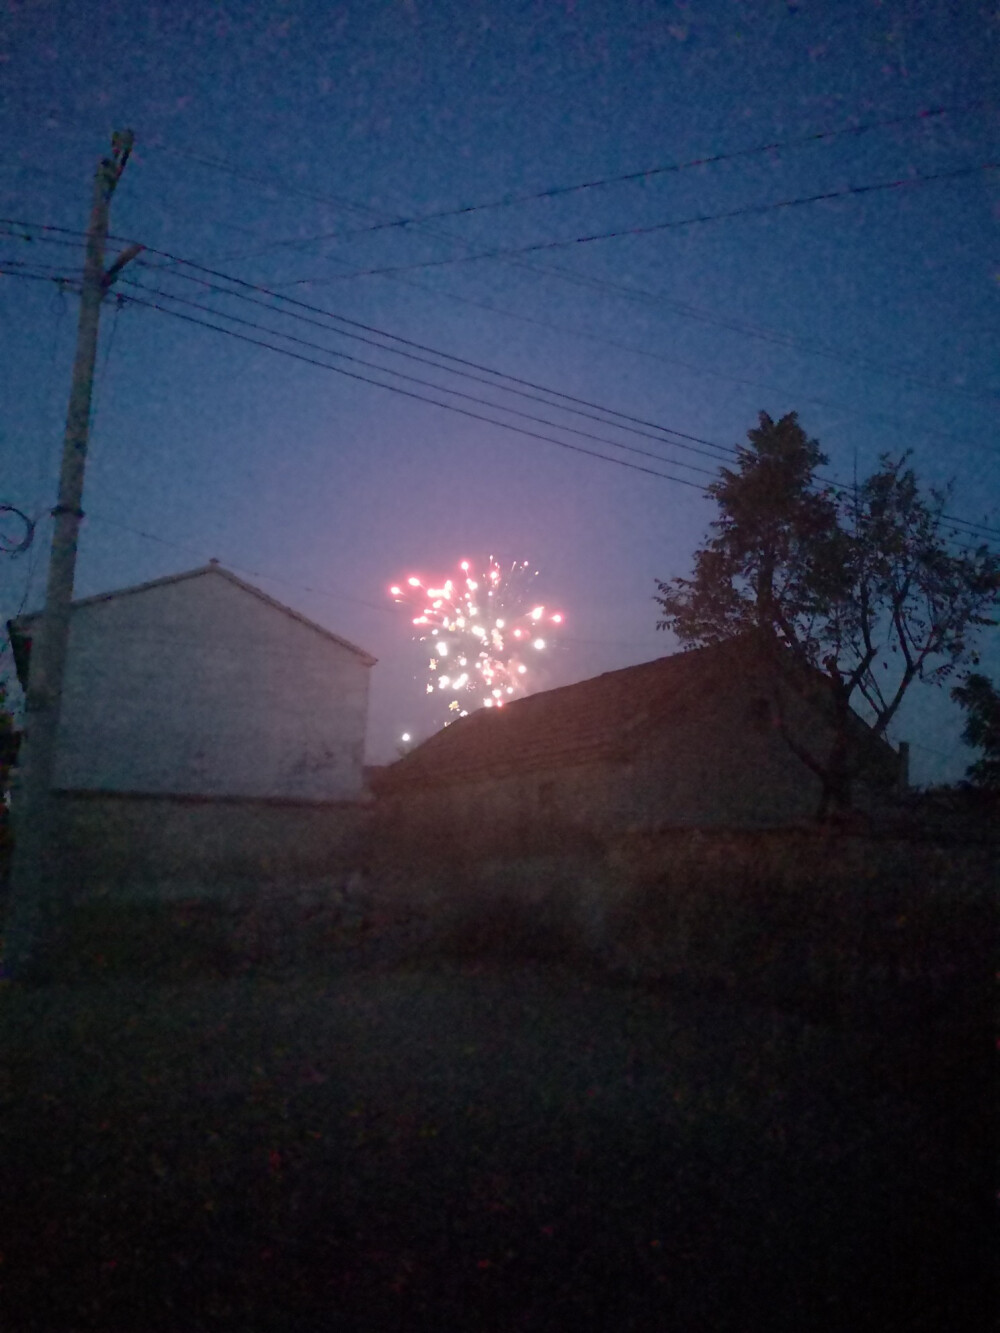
(484, 633)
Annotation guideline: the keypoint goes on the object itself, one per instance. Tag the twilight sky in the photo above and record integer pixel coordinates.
(273, 144)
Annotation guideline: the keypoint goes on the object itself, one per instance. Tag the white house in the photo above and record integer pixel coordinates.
(194, 708)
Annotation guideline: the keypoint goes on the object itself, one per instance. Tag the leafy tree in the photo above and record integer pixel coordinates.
(981, 701)
(856, 593)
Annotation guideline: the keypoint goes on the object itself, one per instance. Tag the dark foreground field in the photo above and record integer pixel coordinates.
(482, 1147)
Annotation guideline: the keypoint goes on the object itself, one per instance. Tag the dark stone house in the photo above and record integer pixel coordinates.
(687, 741)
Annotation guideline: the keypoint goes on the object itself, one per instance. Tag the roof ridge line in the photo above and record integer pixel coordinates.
(213, 567)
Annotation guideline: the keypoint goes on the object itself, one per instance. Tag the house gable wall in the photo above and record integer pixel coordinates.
(725, 763)
(198, 687)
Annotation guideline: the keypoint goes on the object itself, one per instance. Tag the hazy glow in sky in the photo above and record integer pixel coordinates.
(276, 146)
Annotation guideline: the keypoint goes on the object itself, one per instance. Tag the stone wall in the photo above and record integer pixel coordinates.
(522, 813)
(840, 922)
(804, 855)
(194, 848)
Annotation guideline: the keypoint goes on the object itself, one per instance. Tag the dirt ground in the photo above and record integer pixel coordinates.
(482, 1147)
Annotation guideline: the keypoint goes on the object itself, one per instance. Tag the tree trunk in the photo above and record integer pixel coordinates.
(836, 800)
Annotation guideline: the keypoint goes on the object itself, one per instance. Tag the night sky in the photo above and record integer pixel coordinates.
(262, 128)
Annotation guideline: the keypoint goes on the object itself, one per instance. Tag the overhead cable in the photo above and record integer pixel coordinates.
(408, 393)
(555, 191)
(746, 210)
(242, 283)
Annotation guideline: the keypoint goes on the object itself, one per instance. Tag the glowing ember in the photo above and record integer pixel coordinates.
(484, 621)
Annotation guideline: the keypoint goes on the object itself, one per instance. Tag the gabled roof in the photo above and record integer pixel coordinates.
(601, 718)
(21, 640)
(605, 718)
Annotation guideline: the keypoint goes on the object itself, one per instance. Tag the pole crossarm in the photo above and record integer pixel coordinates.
(126, 257)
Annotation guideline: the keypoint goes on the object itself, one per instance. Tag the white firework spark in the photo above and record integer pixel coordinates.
(483, 630)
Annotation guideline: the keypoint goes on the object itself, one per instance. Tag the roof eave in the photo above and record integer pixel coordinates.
(22, 622)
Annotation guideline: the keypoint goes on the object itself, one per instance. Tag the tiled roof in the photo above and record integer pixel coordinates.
(605, 718)
(602, 718)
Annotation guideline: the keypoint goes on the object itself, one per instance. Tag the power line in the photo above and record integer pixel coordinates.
(238, 569)
(330, 315)
(761, 332)
(747, 210)
(726, 451)
(413, 379)
(729, 451)
(928, 431)
(460, 362)
(268, 181)
(571, 276)
(685, 311)
(31, 268)
(35, 277)
(508, 201)
(34, 169)
(62, 239)
(335, 595)
(408, 393)
(452, 408)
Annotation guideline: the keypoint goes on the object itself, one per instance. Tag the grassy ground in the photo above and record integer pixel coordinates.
(480, 1147)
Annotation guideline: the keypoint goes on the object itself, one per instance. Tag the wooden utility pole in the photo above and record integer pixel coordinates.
(35, 887)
